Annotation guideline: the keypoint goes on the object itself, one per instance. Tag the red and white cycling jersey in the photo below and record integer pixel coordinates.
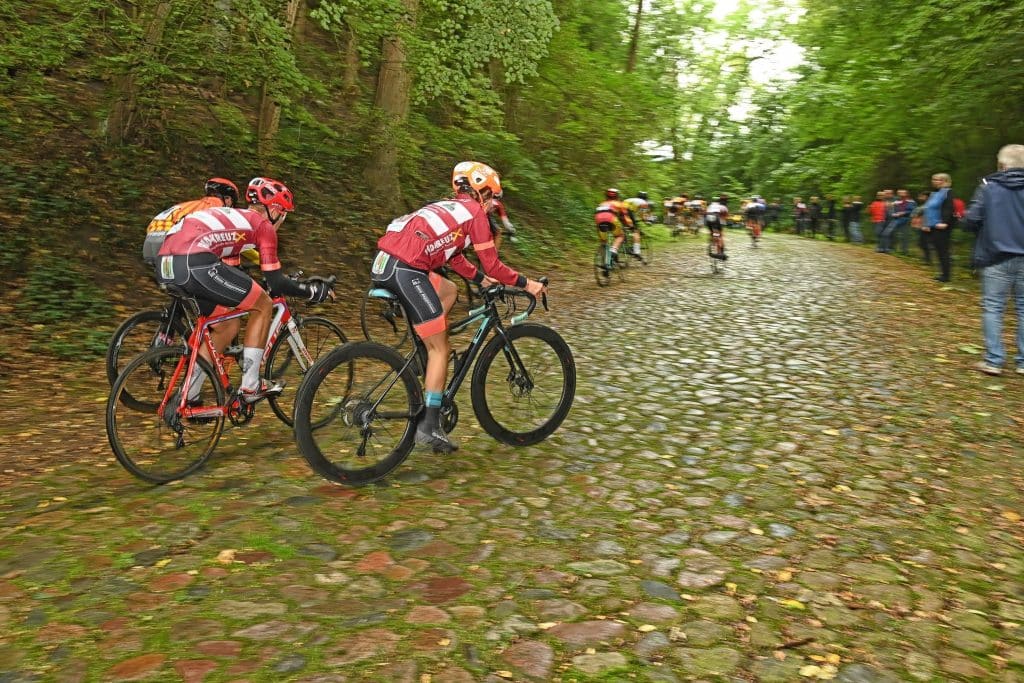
(225, 232)
(439, 232)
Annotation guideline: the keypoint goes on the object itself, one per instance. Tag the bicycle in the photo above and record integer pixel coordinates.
(357, 432)
(754, 229)
(716, 251)
(159, 434)
(605, 265)
(384, 321)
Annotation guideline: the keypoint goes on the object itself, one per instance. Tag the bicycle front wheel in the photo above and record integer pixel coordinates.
(646, 251)
(292, 356)
(356, 412)
(161, 448)
(383, 321)
(524, 384)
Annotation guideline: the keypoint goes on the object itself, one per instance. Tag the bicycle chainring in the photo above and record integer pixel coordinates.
(241, 413)
(449, 418)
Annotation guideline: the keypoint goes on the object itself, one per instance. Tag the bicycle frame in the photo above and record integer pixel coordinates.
(200, 336)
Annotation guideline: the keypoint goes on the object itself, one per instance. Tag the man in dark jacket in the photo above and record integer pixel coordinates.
(996, 214)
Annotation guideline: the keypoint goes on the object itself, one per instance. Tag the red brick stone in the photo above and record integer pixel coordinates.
(531, 658)
(424, 614)
(433, 640)
(436, 549)
(374, 562)
(52, 633)
(214, 572)
(8, 591)
(194, 670)
(397, 572)
(443, 589)
(253, 556)
(586, 633)
(116, 624)
(453, 675)
(143, 602)
(136, 668)
(170, 582)
(219, 648)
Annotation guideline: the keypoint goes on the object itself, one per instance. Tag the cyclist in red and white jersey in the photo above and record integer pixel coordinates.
(417, 244)
(219, 192)
(193, 258)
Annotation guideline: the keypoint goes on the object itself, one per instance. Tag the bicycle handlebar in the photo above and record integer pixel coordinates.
(498, 292)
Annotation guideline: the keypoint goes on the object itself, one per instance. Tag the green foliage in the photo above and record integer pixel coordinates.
(67, 313)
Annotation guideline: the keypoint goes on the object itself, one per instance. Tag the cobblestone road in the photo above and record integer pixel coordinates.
(785, 472)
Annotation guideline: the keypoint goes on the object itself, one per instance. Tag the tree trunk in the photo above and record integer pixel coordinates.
(634, 41)
(269, 118)
(126, 88)
(394, 85)
(350, 76)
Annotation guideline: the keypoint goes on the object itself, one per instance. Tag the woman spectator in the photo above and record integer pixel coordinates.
(877, 212)
(938, 221)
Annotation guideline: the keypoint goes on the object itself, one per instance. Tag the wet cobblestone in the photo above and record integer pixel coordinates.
(784, 472)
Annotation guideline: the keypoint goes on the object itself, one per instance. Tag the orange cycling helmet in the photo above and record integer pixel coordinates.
(270, 192)
(611, 193)
(223, 188)
(474, 176)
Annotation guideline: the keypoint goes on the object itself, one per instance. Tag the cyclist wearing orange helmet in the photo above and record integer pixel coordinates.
(194, 258)
(610, 215)
(417, 244)
(219, 192)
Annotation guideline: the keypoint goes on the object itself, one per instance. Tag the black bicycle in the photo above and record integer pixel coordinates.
(356, 410)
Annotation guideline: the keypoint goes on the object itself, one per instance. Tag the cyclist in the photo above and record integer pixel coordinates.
(640, 208)
(418, 243)
(668, 206)
(715, 218)
(497, 217)
(754, 215)
(610, 215)
(219, 192)
(193, 258)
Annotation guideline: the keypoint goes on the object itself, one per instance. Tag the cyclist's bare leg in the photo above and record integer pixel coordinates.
(437, 345)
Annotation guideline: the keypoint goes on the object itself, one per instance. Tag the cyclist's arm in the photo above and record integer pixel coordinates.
(483, 244)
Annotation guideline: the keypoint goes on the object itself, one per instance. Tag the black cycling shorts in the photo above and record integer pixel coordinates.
(416, 289)
(211, 281)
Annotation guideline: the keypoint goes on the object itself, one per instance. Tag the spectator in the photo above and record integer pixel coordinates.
(877, 212)
(844, 217)
(799, 215)
(856, 206)
(996, 214)
(830, 216)
(814, 216)
(917, 222)
(899, 225)
(772, 213)
(938, 221)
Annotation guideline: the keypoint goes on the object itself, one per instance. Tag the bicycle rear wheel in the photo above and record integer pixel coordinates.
(356, 412)
(290, 359)
(646, 250)
(602, 269)
(383, 321)
(523, 384)
(162, 448)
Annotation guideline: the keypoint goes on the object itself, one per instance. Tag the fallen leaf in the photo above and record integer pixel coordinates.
(647, 628)
(1011, 515)
(162, 563)
(793, 604)
(226, 556)
(544, 626)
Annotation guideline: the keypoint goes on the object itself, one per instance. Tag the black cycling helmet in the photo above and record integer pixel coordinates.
(223, 188)
(642, 195)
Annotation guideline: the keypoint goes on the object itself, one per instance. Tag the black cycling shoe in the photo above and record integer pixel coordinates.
(434, 437)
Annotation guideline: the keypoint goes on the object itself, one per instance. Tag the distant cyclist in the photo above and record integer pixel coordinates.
(640, 207)
(497, 216)
(715, 217)
(610, 216)
(219, 192)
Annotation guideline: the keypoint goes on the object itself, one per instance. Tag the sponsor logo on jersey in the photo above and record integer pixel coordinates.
(215, 238)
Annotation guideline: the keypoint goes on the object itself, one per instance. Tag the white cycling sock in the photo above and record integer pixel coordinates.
(636, 248)
(251, 357)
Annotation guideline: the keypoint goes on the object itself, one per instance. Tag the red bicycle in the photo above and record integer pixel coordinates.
(168, 408)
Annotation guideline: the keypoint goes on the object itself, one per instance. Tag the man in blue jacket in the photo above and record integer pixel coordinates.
(996, 214)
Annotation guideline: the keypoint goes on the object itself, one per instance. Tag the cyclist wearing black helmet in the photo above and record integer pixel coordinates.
(218, 192)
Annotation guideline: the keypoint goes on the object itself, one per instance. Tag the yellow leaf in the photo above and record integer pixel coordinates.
(752, 620)
(504, 674)
(226, 556)
(647, 628)
(810, 671)
(841, 488)
(830, 432)
(544, 626)
(425, 678)
(591, 651)
(784, 575)
(792, 604)
(817, 658)
(916, 500)
(1011, 515)
(779, 655)
(444, 642)
(754, 530)
(730, 588)
(833, 658)
(162, 563)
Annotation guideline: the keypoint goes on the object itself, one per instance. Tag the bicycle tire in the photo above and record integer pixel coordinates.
(329, 410)
(602, 270)
(383, 321)
(319, 335)
(646, 250)
(138, 334)
(510, 385)
(139, 436)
